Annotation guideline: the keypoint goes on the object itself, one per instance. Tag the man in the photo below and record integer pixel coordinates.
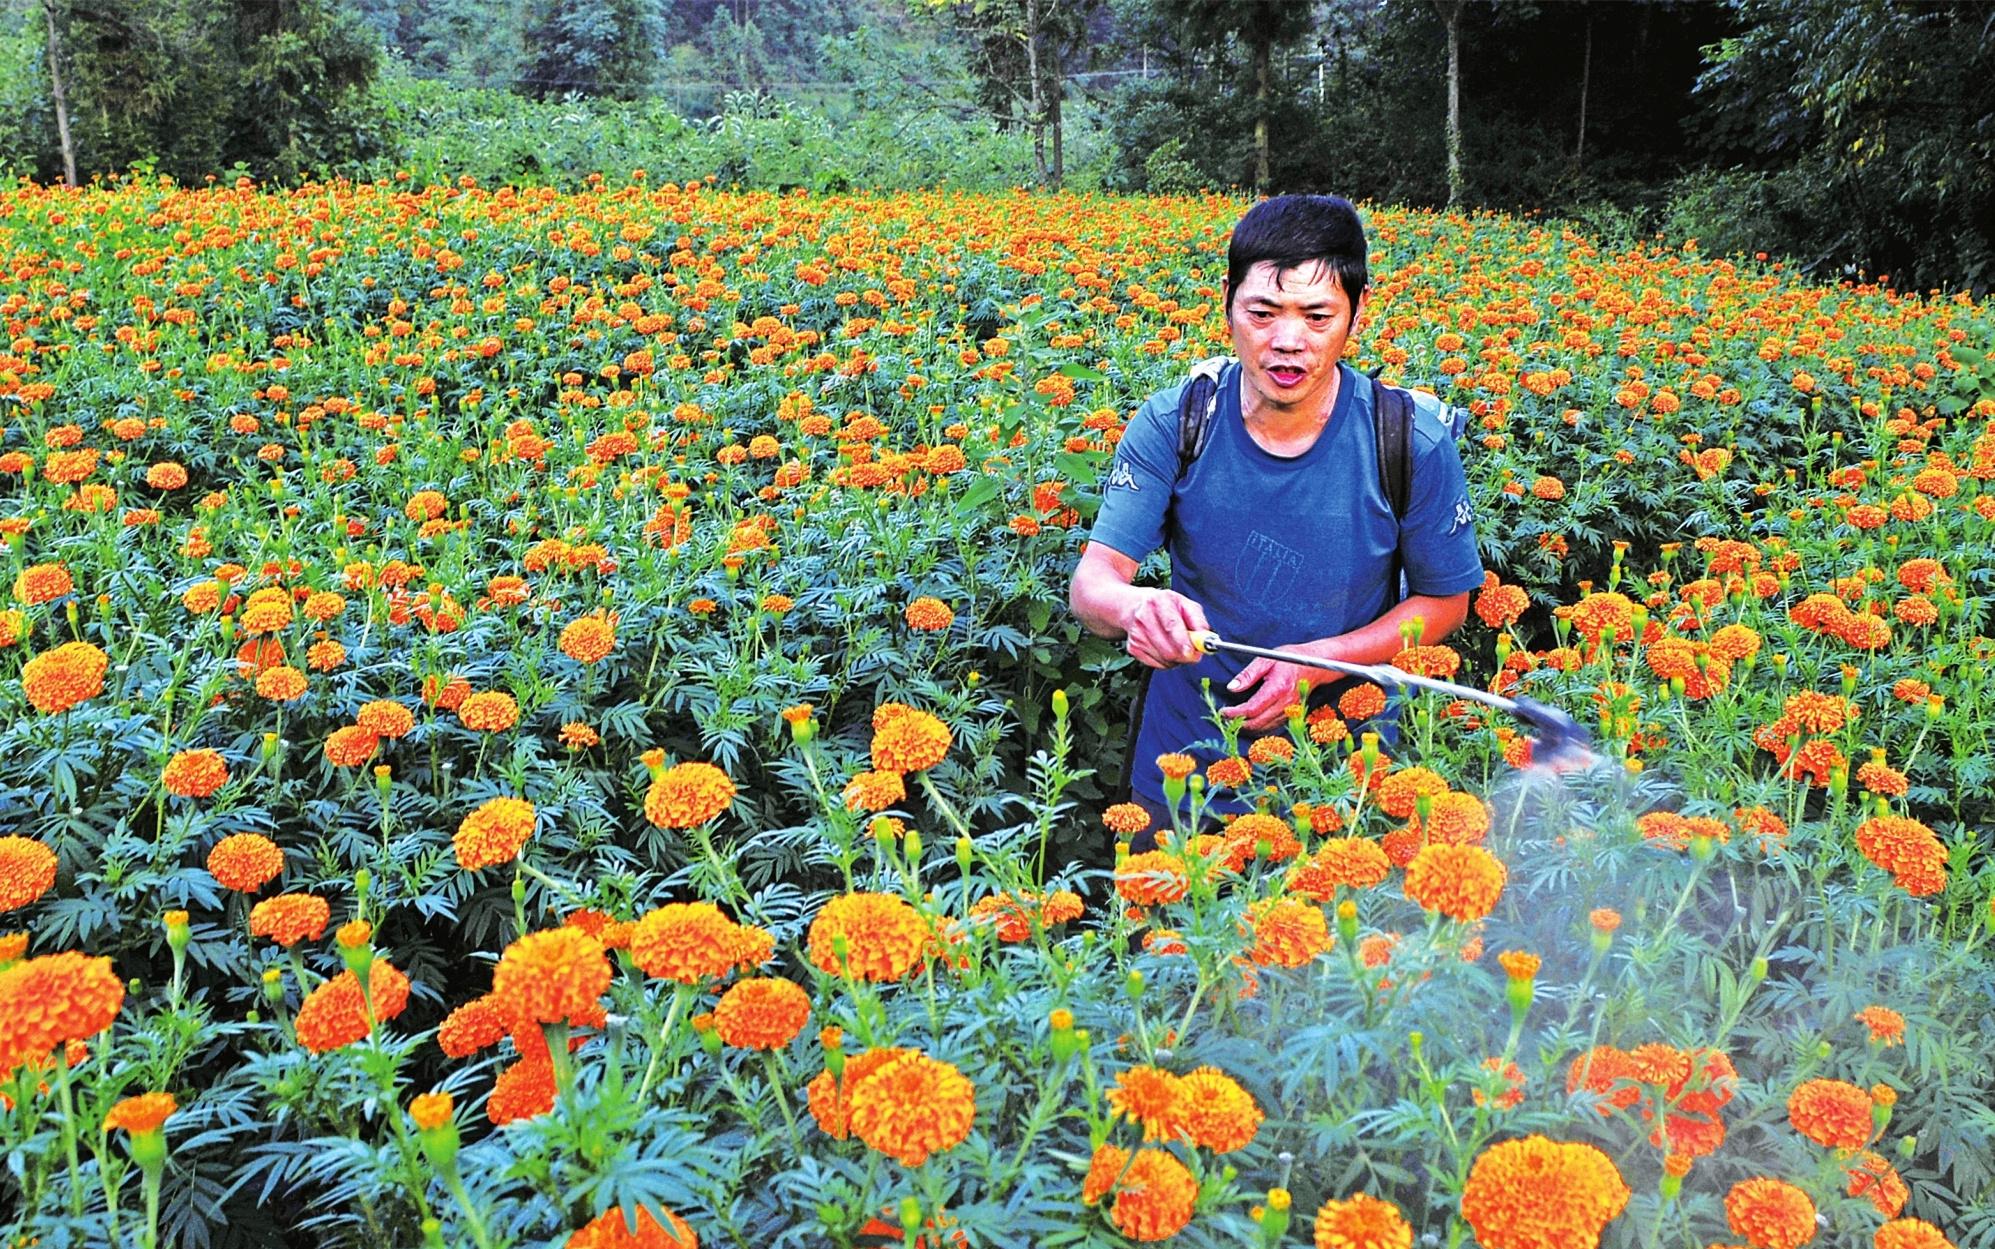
(1279, 533)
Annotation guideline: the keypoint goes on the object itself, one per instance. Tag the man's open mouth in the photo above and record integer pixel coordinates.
(1285, 374)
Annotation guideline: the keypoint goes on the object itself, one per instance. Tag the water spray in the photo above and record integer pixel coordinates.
(1561, 741)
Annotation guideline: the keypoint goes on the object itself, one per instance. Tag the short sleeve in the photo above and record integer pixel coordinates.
(1437, 543)
(1136, 493)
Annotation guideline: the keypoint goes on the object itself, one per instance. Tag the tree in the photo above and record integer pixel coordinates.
(1023, 51)
(1451, 16)
(1259, 25)
(1879, 122)
(593, 47)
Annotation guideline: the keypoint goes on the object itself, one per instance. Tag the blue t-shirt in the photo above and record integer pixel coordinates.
(1278, 550)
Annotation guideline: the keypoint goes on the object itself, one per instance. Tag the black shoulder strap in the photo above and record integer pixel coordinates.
(1392, 428)
(1197, 404)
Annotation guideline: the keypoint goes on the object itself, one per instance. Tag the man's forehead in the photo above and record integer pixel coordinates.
(1311, 282)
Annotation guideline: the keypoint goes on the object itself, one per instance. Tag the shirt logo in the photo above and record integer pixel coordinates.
(1120, 478)
(1462, 515)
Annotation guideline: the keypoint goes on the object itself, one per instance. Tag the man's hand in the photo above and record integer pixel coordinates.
(1159, 629)
(1268, 705)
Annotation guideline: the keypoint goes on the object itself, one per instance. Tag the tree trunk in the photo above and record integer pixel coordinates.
(1054, 98)
(1585, 81)
(61, 104)
(1038, 88)
(1263, 68)
(1451, 11)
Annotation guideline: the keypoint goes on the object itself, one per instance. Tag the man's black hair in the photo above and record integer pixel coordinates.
(1291, 231)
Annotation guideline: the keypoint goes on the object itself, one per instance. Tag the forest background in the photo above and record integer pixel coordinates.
(1850, 137)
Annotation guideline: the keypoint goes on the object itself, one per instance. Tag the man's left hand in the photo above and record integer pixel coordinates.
(1268, 705)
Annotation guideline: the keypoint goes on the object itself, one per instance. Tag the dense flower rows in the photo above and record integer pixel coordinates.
(552, 719)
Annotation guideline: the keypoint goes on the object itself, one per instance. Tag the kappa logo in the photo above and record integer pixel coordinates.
(1120, 478)
(1462, 514)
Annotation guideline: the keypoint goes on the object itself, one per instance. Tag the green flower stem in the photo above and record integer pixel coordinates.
(775, 1071)
(69, 1131)
(455, 1184)
(681, 994)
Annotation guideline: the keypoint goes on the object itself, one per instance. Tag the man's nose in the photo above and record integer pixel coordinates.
(1287, 335)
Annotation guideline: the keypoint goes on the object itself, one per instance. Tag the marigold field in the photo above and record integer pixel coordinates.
(553, 720)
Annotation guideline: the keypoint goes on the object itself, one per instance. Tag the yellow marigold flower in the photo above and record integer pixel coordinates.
(762, 1014)
(147, 1112)
(556, 976)
(929, 615)
(490, 711)
(60, 679)
(27, 871)
(430, 1111)
(1155, 1197)
(195, 773)
(493, 833)
(1770, 1214)
(1217, 1113)
(912, 741)
(688, 795)
(1534, 1193)
(1361, 1221)
(1461, 882)
(290, 918)
(1518, 965)
(912, 1107)
(245, 862)
(883, 937)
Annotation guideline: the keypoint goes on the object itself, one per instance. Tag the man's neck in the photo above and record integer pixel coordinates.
(1281, 429)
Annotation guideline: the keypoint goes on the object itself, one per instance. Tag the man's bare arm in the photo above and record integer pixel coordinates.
(1154, 625)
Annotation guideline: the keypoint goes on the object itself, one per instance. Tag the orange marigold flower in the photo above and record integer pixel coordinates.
(1499, 605)
(1175, 766)
(1461, 882)
(1907, 849)
(350, 747)
(522, 1091)
(554, 976)
(589, 639)
(1217, 1113)
(690, 942)
(762, 1014)
(608, 1230)
(1735, 643)
(1268, 751)
(830, 1095)
(1877, 1182)
(335, 1013)
(430, 1111)
(912, 741)
(27, 871)
(1151, 1098)
(245, 862)
(1604, 919)
(281, 683)
(1512, 1076)
(478, 1024)
(267, 611)
(1518, 964)
(324, 656)
(1596, 615)
(1428, 661)
(874, 791)
(1339, 863)
(1256, 828)
(688, 795)
(1154, 1198)
(1535, 1193)
(1125, 819)
(576, 735)
(1229, 773)
(42, 583)
(1832, 1113)
(1457, 819)
(489, 711)
(1361, 1221)
(1399, 793)
(1887, 1026)
(166, 475)
(1012, 918)
(59, 679)
(290, 918)
(1770, 1213)
(1287, 932)
(1910, 1234)
(493, 833)
(1151, 878)
(384, 717)
(147, 1112)
(1361, 702)
(195, 773)
(929, 615)
(912, 1107)
(882, 936)
(53, 1000)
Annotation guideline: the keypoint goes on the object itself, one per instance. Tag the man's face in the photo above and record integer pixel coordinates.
(1289, 330)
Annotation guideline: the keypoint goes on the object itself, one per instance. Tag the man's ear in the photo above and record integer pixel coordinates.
(1358, 314)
